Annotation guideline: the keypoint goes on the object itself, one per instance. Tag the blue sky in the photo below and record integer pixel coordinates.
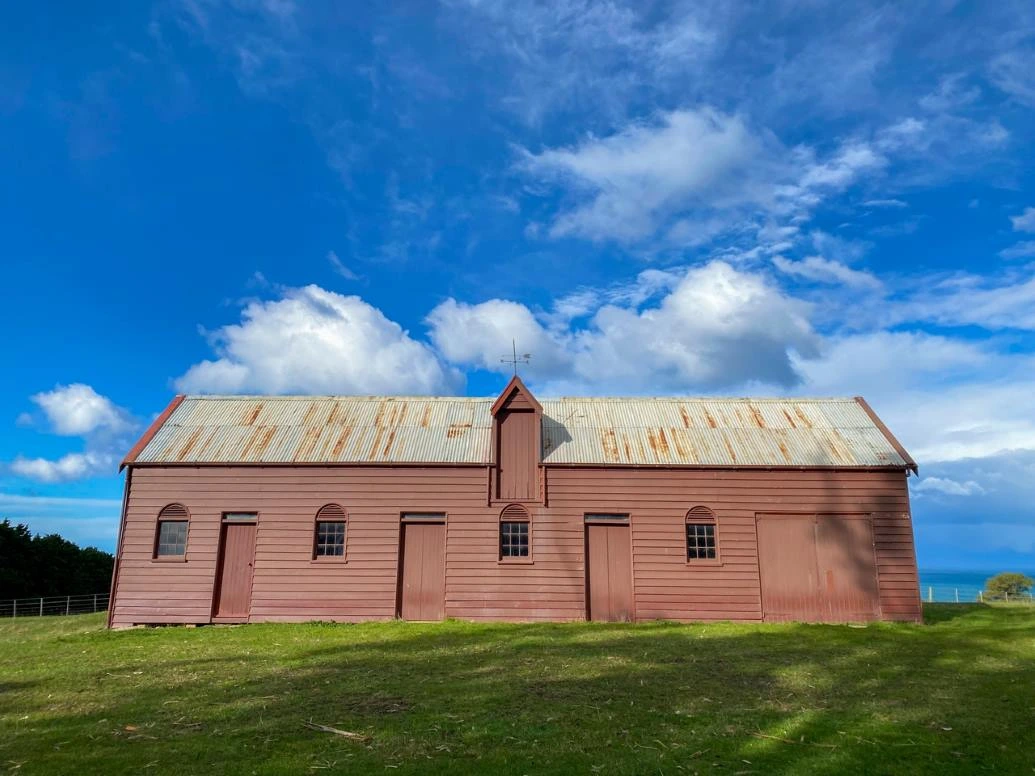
(801, 198)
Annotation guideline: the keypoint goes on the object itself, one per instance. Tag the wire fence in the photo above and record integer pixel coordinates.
(967, 594)
(42, 606)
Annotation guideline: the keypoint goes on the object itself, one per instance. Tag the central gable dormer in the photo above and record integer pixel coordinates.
(517, 424)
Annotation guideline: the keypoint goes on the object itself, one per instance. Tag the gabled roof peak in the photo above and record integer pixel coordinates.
(516, 392)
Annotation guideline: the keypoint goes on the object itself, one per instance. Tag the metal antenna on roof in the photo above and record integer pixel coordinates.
(515, 359)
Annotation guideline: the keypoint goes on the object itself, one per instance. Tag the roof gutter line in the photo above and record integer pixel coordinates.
(732, 467)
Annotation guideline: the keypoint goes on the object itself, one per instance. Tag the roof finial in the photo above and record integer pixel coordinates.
(514, 359)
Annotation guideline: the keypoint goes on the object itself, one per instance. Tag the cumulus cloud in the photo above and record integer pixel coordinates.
(820, 270)
(479, 335)
(1025, 222)
(73, 466)
(948, 487)
(78, 410)
(316, 341)
(716, 326)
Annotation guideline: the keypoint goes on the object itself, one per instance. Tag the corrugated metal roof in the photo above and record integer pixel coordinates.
(640, 431)
(714, 432)
(323, 429)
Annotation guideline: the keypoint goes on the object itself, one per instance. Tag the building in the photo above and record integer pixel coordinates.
(247, 509)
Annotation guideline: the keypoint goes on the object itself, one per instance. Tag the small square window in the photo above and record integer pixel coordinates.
(513, 539)
(172, 538)
(330, 539)
(700, 541)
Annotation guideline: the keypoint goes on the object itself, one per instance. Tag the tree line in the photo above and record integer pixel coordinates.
(49, 565)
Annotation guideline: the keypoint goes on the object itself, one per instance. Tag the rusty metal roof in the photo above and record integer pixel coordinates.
(323, 429)
(458, 430)
(715, 432)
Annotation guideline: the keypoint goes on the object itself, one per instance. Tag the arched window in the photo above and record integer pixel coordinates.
(515, 534)
(171, 532)
(329, 536)
(701, 541)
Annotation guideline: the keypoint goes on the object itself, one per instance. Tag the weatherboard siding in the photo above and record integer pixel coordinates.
(666, 586)
(289, 585)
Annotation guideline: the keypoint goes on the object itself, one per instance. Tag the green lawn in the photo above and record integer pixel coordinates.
(956, 694)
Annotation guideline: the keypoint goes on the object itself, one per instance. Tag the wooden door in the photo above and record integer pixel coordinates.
(608, 573)
(787, 566)
(234, 595)
(422, 593)
(847, 568)
(518, 456)
(817, 569)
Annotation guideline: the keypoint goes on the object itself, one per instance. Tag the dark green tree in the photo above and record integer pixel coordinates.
(49, 565)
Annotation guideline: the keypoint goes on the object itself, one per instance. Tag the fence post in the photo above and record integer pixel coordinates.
(14, 613)
(957, 595)
(68, 603)
(95, 603)
(930, 595)
(41, 606)
(981, 596)
(1007, 597)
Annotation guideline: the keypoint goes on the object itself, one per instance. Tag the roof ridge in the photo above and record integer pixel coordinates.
(403, 397)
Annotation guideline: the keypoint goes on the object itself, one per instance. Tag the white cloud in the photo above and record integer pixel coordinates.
(579, 55)
(1021, 250)
(821, 270)
(716, 326)
(1014, 73)
(78, 410)
(946, 399)
(480, 335)
(1025, 222)
(948, 487)
(885, 203)
(843, 168)
(950, 95)
(637, 177)
(339, 266)
(993, 303)
(316, 341)
(887, 362)
(693, 175)
(73, 466)
(844, 250)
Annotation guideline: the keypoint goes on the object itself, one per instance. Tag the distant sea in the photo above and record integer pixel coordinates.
(943, 585)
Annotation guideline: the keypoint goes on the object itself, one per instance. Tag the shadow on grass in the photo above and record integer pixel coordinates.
(559, 698)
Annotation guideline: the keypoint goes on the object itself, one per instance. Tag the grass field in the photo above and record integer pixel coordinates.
(954, 695)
